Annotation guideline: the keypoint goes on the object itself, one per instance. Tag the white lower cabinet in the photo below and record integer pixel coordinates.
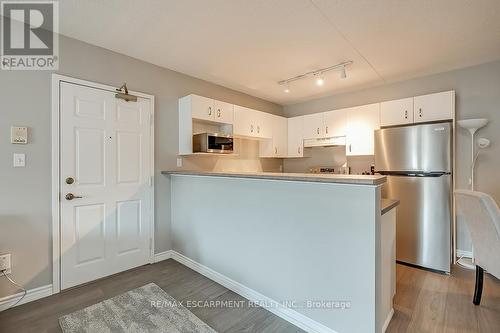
(362, 123)
(295, 137)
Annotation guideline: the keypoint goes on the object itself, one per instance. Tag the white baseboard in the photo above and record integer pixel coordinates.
(163, 256)
(465, 254)
(388, 320)
(277, 308)
(31, 295)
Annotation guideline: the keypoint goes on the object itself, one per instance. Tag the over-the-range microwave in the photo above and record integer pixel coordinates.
(216, 143)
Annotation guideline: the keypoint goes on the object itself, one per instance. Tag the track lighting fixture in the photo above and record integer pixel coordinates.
(317, 74)
(343, 73)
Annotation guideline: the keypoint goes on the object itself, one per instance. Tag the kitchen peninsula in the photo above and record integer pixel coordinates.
(318, 250)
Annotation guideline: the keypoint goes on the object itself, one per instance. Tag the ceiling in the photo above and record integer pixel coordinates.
(250, 45)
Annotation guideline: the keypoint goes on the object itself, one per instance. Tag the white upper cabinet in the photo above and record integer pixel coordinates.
(264, 124)
(243, 124)
(314, 126)
(439, 106)
(398, 112)
(277, 145)
(335, 123)
(295, 137)
(280, 131)
(223, 112)
(203, 108)
(362, 123)
(252, 123)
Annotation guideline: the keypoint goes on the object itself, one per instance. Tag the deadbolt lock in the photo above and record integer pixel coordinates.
(70, 180)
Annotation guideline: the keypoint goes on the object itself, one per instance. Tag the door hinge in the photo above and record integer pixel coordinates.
(150, 180)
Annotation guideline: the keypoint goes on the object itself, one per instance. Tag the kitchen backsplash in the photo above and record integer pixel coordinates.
(328, 157)
(245, 159)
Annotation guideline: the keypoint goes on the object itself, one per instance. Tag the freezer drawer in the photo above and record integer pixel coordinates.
(419, 148)
(423, 222)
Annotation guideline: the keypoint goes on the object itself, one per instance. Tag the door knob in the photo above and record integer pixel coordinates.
(71, 196)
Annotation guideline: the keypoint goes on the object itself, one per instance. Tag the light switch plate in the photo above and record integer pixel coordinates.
(19, 135)
(19, 160)
(179, 162)
(5, 263)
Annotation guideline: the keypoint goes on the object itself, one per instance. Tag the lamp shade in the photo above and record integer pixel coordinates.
(472, 124)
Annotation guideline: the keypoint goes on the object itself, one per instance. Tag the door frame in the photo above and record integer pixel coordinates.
(57, 79)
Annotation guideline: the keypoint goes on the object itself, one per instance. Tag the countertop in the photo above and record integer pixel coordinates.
(305, 177)
(388, 204)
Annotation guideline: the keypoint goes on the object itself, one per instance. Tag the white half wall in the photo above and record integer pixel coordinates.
(289, 241)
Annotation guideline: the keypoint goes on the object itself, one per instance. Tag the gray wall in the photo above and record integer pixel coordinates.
(25, 99)
(478, 95)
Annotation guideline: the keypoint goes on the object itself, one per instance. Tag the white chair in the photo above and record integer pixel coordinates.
(482, 216)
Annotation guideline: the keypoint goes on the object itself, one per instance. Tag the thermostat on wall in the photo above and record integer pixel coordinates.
(19, 135)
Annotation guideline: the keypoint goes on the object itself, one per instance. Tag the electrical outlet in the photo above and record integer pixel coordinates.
(179, 162)
(5, 263)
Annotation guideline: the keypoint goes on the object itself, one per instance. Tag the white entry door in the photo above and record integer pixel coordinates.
(105, 182)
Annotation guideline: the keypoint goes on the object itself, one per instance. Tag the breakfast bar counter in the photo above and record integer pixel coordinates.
(315, 249)
(304, 177)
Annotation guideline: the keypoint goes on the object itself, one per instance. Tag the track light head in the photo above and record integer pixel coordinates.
(320, 80)
(343, 73)
(287, 88)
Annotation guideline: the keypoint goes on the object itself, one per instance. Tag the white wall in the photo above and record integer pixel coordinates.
(477, 96)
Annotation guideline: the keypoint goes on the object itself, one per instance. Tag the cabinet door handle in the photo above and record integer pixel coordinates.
(218, 113)
(251, 128)
(420, 112)
(326, 129)
(350, 148)
(298, 150)
(258, 129)
(275, 150)
(209, 110)
(406, 114)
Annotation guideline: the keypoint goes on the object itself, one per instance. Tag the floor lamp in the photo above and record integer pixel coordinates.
(473, 125)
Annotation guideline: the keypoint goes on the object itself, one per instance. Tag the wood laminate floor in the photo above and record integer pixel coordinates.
(425, 302)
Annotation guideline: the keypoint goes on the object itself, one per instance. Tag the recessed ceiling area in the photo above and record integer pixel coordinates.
(251, 45)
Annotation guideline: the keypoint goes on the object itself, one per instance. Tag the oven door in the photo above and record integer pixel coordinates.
(219, 144)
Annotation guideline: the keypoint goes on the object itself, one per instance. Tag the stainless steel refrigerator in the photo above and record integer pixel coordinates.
(417, 160)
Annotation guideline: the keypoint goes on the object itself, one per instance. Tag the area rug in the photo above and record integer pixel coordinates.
(145, 309)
